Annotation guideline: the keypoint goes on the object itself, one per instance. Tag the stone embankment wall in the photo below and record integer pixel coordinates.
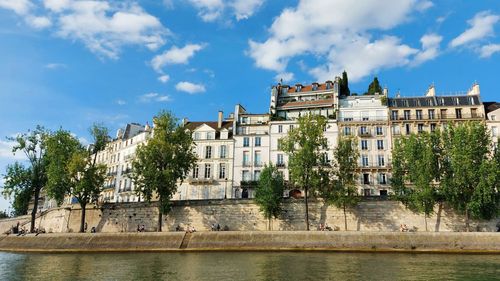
(415, 242)
(244, 215)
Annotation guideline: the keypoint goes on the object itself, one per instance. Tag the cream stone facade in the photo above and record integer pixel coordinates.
(492, 110)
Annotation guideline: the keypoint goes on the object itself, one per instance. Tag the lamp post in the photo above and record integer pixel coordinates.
(225, 189)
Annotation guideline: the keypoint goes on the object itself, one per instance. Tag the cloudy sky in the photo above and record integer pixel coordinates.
(68, 63)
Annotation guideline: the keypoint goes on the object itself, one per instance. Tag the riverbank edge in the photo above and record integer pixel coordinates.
(258, 241)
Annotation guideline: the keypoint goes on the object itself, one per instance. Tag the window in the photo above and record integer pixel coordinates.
(222, 151)
(257, 141)
(246, 141)
(394, 115)
(494, 131)
(443, 113)
(222, 171)
(407, 129)
(396, 130)
(380, 131)
(419, 114)
(210, 135)
(244, 120)
(407, 115)
(246, 159)
(431, 114)
(208, 169)
(382, 179)
(363, 130)
(458, 113)
(380, 144)
(381, 161)
(366, 178)
(245, 175)
(324, 158)
(433, 127)
(208, 152)
(257, 159)
(256, 175)
(347, 131)
(279, 160)
(420, 128)
(493, 117)
(280, 128)
(364, 161)
(473, 112)
(291, 127)
(364, 144)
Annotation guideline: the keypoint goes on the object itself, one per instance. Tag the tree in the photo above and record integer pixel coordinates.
(374, 87)
(164, 161)
(303, 146)
(26, 183)
(470, 175)
(269, 193)
(18, 186)
(73, 170)
(3, 215)
(416, 166)
(342, 191)
(344, 85)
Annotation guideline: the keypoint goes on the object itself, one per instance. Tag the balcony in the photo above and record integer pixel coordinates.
(280, 165)
(246, 164)
(195, 181)
(364, 133)
(364, 119)
(426, 117)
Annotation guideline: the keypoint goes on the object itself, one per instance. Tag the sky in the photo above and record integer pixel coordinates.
(69, 64)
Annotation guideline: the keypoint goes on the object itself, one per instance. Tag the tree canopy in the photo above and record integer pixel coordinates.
(269, 193)
(344, 85)
(374, 87)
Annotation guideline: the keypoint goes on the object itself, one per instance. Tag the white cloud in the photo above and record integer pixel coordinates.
(6, 151)
(120, 102)
(424, 5)
(164, 78)
(190, 88)
(151, 97)
(20, 7)
(169, 4)
(175, 56)
(481, 26)
(430, 48)
(211, 10)
(56, 5)
(55, 66)
(341, 41)
(285, 76)
(487, 51)
(39, 22)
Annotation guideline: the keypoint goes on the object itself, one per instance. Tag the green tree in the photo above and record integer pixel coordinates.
(303, 145)
(342, 191)
(18, 187)
(26, 183)
(374, 87)
(73, 170)
(3, 215)
(470, 175)
(415, 167)
(344, 85)
(165, 160)
(269, 193)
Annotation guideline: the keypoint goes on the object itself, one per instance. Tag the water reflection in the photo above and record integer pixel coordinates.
(247, 266)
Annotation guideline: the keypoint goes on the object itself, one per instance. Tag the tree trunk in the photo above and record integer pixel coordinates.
(269, 222)
(35, 207)
(307, 208)
(82, 221)
(467, 220)
(345, 219)
(160, 213)
(425, 219)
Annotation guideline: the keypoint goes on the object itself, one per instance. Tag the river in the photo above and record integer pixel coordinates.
(248, 266)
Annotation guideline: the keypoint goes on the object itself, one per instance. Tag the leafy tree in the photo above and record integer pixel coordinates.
(165, 160)
(342, 191)
(344, 85)
(470, 177)
(303, 145)
(26, 183)
(73, 170)
(415, 167)
(3, 215)
(18, 185)
(269, 193)
(374, 87)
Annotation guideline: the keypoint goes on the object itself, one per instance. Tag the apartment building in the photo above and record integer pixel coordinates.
(366, 118)
(492, 111)
(251, 150)
(212, 177)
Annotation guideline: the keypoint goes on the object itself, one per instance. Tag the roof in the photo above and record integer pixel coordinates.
(491, 106)
(309, 88)
(213, 124)
(434, 101)
(320, 102)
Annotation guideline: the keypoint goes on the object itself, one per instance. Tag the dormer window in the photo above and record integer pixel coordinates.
(298, 88)
(328, 85)
(284, 90)
(314, 86)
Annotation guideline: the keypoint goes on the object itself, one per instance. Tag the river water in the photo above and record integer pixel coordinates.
(248, 266)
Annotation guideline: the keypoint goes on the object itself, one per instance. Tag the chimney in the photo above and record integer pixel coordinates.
(219, 119)
(184, 121)
(431, 92)
(474, 91)
(385, 91)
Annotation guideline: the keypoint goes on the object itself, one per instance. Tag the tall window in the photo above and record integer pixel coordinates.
(210, 135)
(246, 141)
(407, 115)
(407, 129)
(246, 158)
(256, 175)
(364, 144)
(458, 113)
(381, 161)
(291, 127)
(380, 131)
(363, 130)
(280, 128)
(222, 171)
(208, 152)
(347, 131)
(382, 178)
(419, 114)
(380, 144)
(208, 171)
(394, 115)
(257, 141)
(245, 175)
(420, 128)
(431, 114)
(366, 179)
(257, 158)
(433, 127)
(223, 151)
(279, 160)
(364, 161)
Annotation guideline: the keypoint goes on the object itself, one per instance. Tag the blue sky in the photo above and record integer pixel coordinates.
(66, 63)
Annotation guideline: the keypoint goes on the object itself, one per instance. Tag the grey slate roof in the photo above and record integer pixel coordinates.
(434, 101)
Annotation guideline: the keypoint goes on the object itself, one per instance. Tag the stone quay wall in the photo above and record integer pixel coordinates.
(244, 215)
